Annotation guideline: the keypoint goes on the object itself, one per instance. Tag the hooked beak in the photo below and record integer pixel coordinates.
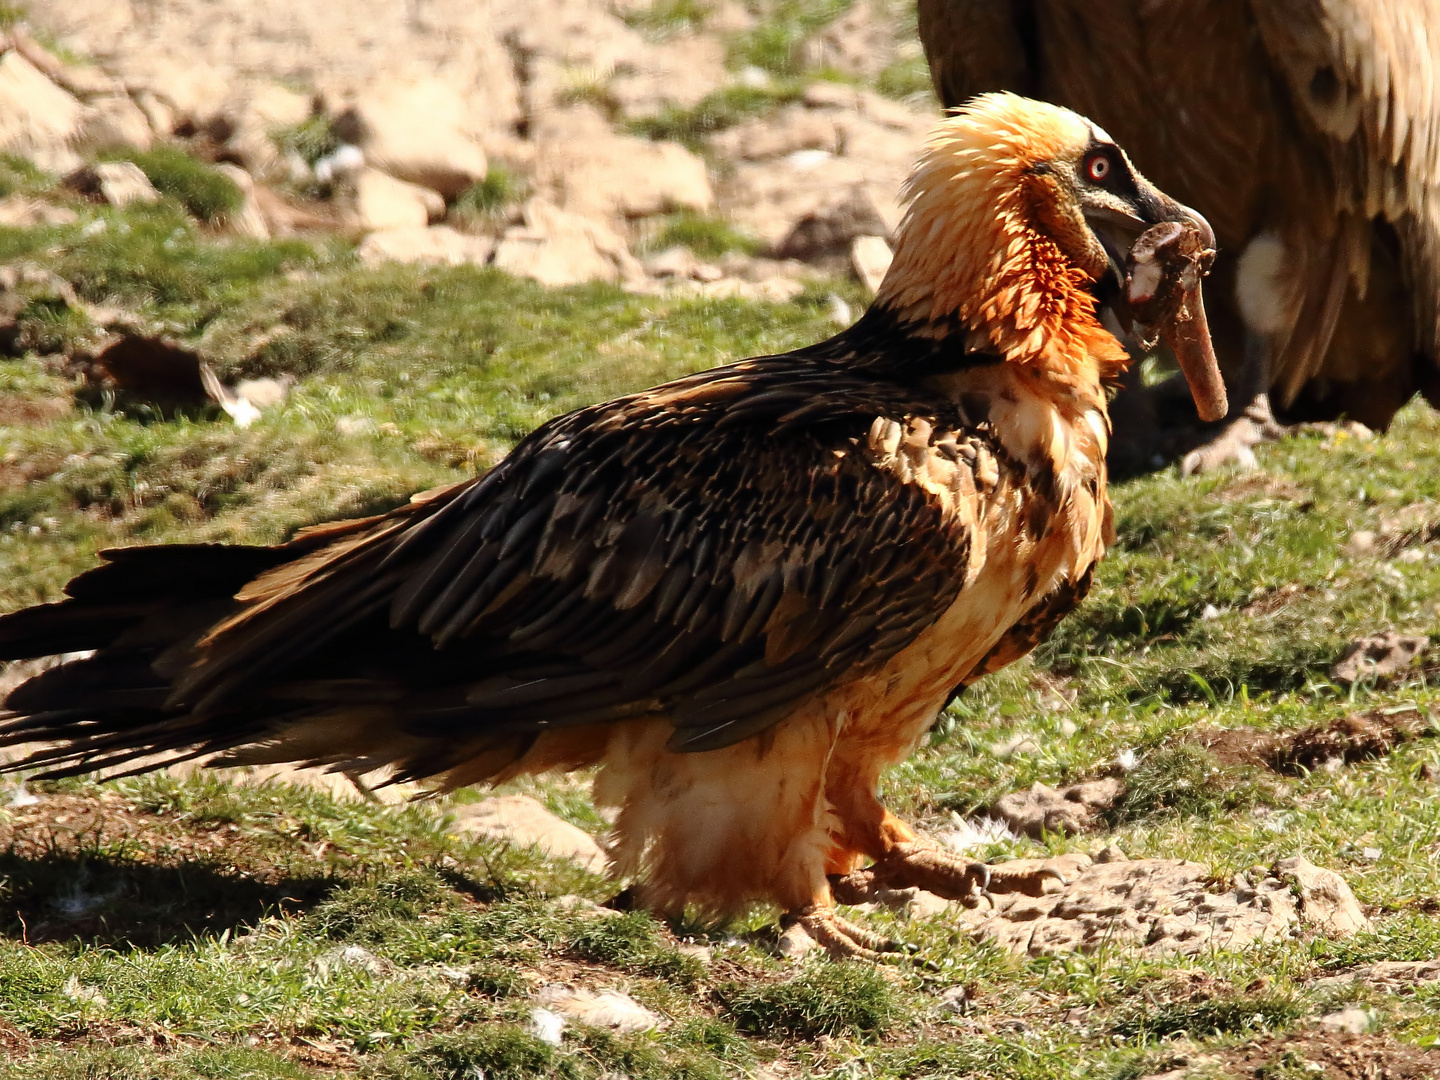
(1161, 270)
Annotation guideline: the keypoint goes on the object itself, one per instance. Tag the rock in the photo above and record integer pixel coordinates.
(593, 171)
(348, 958)
(584, 907)
(795, 942)
(861, 42)
(604, 1009)
(559, 248)
(38, 120)
(114, 122)
(160, 115)
(680, 264)
(954, 999)
(524, 822)
(249, 220)
(437, 245)
(1381, 657)
(1388, 975)
(1353, 1020)
(569, 49)
(266, 109)
(247, 399)
(418, 130)
(1157, 906)
(383, 202)
(790, 129)
(1362, 542)
(84, 81)
(21, 211)
(870, 258)
(829, 232)
(1042, 809)
(1326, 903)
(195, 90)
(117, 183)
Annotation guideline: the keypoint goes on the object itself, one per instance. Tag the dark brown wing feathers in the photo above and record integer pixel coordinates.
(714, 550)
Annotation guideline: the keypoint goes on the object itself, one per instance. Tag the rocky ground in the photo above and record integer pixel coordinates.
(724, 149)
(301, 261)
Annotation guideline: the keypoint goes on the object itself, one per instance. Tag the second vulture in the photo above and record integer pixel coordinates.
(1306, 131)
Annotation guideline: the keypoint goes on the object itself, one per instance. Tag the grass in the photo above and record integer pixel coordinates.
(204, 192)
(202, 928)
(715, 112)
(773, 44)
(708, 237)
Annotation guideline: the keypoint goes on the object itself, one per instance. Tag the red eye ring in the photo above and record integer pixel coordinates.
(1097, 168)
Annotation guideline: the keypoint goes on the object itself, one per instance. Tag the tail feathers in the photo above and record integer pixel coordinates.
(138, 613)
(131, 585)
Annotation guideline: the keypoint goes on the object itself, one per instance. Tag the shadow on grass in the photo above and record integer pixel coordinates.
(123, 903)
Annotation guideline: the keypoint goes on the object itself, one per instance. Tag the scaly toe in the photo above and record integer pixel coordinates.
(844, 940)
(1026, 882)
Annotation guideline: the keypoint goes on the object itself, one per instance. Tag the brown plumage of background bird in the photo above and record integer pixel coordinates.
(1306, 131)
(741, 595)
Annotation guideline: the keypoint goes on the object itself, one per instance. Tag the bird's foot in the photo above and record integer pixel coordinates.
(921, 863)
(843, 939)
(1236, 441)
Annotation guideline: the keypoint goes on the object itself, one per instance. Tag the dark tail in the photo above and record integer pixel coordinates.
(140, 608)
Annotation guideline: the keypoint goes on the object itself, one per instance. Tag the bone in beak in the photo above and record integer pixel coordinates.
(1162, 286)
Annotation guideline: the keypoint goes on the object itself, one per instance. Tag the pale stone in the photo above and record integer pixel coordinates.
(38, 120)
(795, 942)
(249, 220)
(524, 822)
(123, 182)
(22, 211)
(437, 245)
(1353, 1020)
(870, 258)
(113, 122)
(1041, 808)
(1327, 904)
(1157, 906)
(597, 173)
(1380, 657)
(559, 248)
(383, 202)
(417, 130)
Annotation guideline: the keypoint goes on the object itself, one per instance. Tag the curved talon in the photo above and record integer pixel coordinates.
(924, 864)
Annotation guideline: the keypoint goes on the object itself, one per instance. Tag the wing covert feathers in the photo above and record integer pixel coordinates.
(714, 551)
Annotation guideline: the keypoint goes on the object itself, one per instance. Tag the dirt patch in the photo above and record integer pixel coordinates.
(100, 869)
(1273, 600)
(1339, 1055)
(1261, 485)
(16, 410)
(1351, 739)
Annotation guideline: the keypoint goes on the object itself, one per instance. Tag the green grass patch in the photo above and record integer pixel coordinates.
(708, 237)
(204, 192)
(715, 112)
(829, 998)
(631, 942)
(664, 18)
(312, 139)
(773, 44)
